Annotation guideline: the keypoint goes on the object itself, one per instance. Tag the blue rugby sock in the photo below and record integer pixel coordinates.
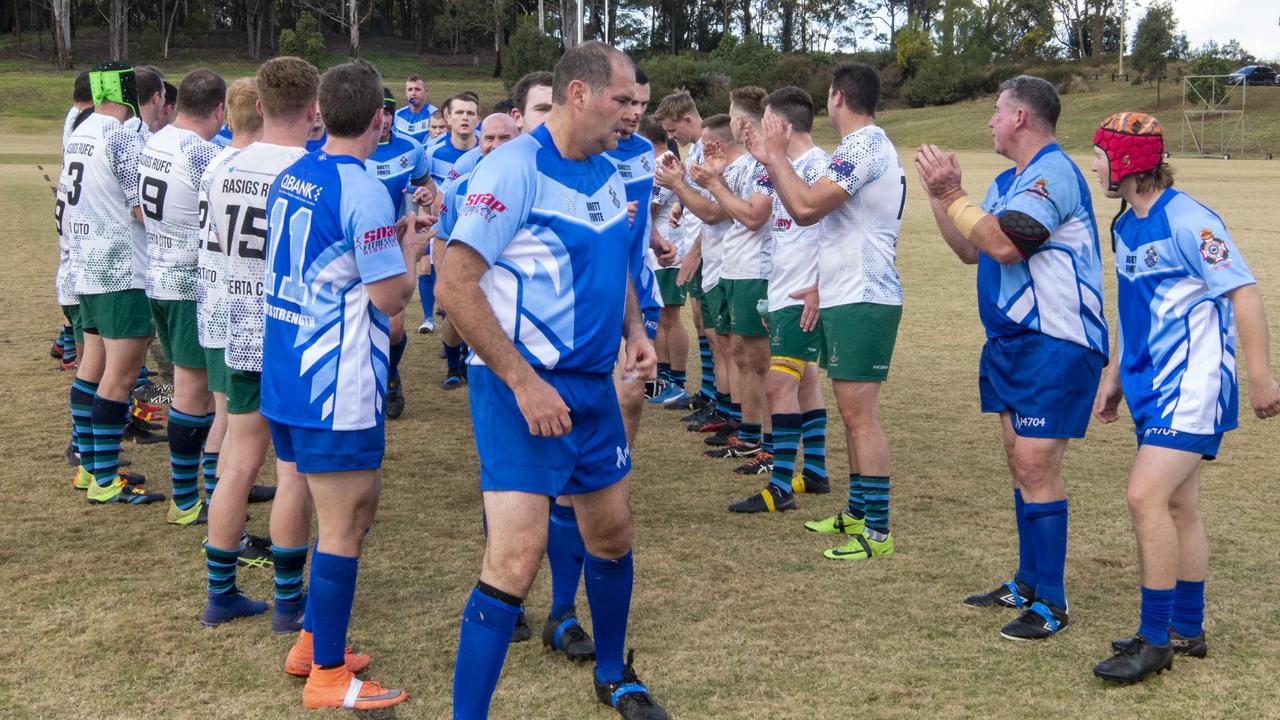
(186, 436)
(813, 434)
(1157, 609)
(209, 473)
(749, 433)
(289, 563)
(724, 405)
(81, 401)
(220, 571)
(1048, 522)
(487, 624)
(735, 411)
(608, 585)
(679, 378)
(109, 418)
(1026, 544)
(786, 439)
(664, 371)
(453, 358)
(766, 442)
(142, 379)
(1188, 608)
(427, 294)
(707, 385)
(397, 352)
(857, 507)
(333, 588)
(565, 554)
(875, 495)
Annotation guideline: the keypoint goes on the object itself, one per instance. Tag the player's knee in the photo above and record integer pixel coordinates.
(511, 566)
(1034, 470)
(609, 537)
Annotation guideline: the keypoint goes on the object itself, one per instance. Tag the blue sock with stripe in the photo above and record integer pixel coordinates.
(786, 441)
(289, 563)
(766, 442)
(333, 589)
(724, 405)
(68, 346)
(735, 411)
(1157, 610)
(856, 507)
(1188, 608)
(608, 584)
(209, 473)
(707, 385)
(109, 418)
(427, 294)
(487, 624)
(664, 371)
(749, 433)
(875, 495)
(186, 436)
(565, 555)
(813, 434)
(220, 568)
(81, 401)
(1048, 523)
(1026, 544)
(453, 358)
(679, 377)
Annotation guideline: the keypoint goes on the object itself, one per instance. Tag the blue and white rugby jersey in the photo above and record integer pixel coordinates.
(634, 160)
(316, 144)
(555, 234)
(416, 125)
(223, 138)
(1058, 289)
(440, 160)
(1177, 331)
(396, 163)
(465, 164)
(325, 345)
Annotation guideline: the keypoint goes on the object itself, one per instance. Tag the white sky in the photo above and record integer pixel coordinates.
(1255, 23)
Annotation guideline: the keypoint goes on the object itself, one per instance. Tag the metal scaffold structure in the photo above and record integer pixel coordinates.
(1209, 104)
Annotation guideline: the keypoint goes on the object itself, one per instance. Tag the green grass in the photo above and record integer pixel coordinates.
(733, 617)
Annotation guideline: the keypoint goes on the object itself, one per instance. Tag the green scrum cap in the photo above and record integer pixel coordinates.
(115, 81)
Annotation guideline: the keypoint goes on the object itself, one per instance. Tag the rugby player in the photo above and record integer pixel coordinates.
(414, 120)
(1035, 242)
(672, 342)
(516, 204)
(1184, 292)
(72, 333)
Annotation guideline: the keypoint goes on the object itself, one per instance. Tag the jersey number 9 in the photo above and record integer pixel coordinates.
(152, 195)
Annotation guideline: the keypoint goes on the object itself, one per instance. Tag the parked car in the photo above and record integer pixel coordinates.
(1253, 75)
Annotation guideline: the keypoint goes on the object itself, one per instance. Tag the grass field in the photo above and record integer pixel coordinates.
(733, 617)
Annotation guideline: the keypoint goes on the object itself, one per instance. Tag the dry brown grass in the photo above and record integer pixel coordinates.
(733, 617)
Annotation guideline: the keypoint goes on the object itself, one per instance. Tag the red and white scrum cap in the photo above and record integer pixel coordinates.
(1133, 143)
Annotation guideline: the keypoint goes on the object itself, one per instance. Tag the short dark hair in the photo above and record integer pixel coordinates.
(1038, 94)
(749, 99)
(503, 106)
(591, 63)
(794, 104)
(350, 97)
(719, 124)
(82, 92)
(642, 78)
(201, 92)
(414, 78)
(650, 129)
(860, 86)
(461, 97)
(149, 83)
(170, 94)
(520, 93)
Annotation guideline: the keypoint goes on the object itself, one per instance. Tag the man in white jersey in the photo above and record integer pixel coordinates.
(287, 88)
(108, 246)
(859, 197)
(1035, 242)
(211, 311)
(1183, 292)
(792, 384)
(150, 100)
(706, 223)
(169, 173)
(738, 183)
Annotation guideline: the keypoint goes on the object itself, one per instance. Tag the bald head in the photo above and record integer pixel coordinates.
(496, 129)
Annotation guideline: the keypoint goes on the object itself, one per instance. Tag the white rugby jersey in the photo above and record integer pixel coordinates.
(67, 122)
(211, 285)
(238, 212)
(748, 254)
(99, 184)
(660, 203)
(64, 284)
(795, 248)
(859, 242)
(169, 174)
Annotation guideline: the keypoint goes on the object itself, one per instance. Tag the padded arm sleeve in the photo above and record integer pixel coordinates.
(1026, 233)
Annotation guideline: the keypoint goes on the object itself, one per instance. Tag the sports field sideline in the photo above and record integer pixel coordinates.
(733, 617)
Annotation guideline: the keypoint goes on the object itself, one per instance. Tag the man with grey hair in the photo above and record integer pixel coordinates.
(536, 281)
(1035, 241)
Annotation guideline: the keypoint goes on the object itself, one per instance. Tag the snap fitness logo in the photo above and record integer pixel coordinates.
(484, 205)
(1214, 251)
(1030, 422)
(378, 239)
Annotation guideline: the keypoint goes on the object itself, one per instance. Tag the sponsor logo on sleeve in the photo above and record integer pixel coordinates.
(1214, 251)
(1040, 188)
(483, 204)
(377, 240)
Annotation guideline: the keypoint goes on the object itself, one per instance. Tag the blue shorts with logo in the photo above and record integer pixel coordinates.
(592, 456)
(325, 451)
(651, 316)
(1047, 385)
(1206, 445)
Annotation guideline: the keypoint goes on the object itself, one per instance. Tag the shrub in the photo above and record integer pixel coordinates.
(706, 80)
(749, 61)
(914, 48)
(941, 81)
(529, 49)
(304, 40)
(811, 72)
(1206, 90)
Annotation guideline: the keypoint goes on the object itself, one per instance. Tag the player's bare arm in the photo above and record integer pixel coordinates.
(670, 174)
(1106, 403)
(1251, 324)
(752, 213)
(807, 204)
(1008, 238)
(460, 295)
(692, 261)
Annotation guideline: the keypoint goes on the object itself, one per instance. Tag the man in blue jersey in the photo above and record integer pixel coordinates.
(337, 268)
(461, 113)
(1035, 241)
(1183, 292)
(401, 165)
(536, 280)
(414, 120)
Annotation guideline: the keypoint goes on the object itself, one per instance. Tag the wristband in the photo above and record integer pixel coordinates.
(965, 215)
